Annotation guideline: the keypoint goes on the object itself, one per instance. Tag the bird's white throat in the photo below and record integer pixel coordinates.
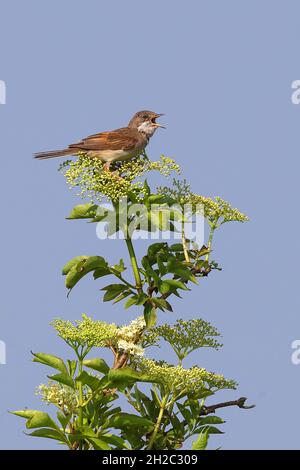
(147, 128)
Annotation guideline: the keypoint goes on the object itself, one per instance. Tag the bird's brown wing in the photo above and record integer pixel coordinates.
(124, 138)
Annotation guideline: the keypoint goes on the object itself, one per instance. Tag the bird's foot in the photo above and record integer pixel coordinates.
(115, 173)
(106, 166)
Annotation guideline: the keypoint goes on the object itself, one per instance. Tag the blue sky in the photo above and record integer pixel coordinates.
(222, 73)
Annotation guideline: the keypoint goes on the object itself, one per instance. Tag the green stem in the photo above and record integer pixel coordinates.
(80, 391)
(185, 249)
(158, 423)
(210, 239)
(135, 268)
(124, 280)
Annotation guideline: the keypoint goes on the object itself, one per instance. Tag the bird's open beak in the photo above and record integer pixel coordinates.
(157, 124)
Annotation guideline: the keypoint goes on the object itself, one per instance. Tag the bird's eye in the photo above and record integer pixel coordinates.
(145, 116)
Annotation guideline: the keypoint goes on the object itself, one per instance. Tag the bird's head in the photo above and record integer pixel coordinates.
(145, 121)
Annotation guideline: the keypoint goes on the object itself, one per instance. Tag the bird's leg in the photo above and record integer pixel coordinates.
(106, 166)
(115, 173)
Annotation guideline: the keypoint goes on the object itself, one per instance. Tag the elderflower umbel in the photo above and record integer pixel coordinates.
(187, 336)
(215, 211)
(58, 394)
(90, 333)
(133, 330)
(177, 380)
(130, 348)
(87, 174)
(129, 337)
(85, 332)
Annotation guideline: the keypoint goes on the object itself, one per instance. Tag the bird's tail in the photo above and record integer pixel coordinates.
(54, 153)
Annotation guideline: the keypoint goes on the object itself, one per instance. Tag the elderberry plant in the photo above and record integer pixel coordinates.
(166, 403)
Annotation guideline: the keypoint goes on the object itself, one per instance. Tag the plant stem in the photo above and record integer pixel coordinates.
(158, 422)
(80, 391)
(124, 280)
(185, 249)
(135, 268)
(211, 234)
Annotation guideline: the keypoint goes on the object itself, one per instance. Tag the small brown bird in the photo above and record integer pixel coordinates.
(112, 146)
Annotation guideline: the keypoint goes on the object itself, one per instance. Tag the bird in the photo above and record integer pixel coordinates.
(116, 145)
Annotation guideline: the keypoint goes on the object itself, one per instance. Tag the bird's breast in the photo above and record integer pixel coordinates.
(111, 155)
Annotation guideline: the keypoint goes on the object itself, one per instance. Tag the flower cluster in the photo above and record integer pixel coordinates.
(187, 336)
(130, 348)
(90, 333)
(128, 337)
(85, 332)
(58, 394)
(179, 381)
(219, 211)
(216, 211)
(88, 174)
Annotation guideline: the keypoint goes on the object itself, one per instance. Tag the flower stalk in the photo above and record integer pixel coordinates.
(133, 260)
(158, 422)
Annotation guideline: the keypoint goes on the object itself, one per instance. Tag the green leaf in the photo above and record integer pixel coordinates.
(185, 412)
(51, 361)
(122, 296)
(36, 419)
(145, 263)
(97, 364)
(210, 420)
(164, 288)
(49, 434)
(154, 275)
(201, 442)
(82, 268)
(209, 430)
(83, 211)
(65, 379)
(203, 251)
(127, 420)
(86, 379)
(155, 398)
(113, 290)
(149, 405)
(98, 444)
(155, 248)
(63, 419)
(177, 247)
(178, 427)
(115, 287)
(162, 268)
(87, 433)
(141, 298)
(150, 315)
(158, 199)
(73, 262)
(101, 272)
(114, 440)
(40, 419)
(162, 304)
(147, 189)
(119, 267)
(72, 366)
(131, 301)
(176, 284)
(178, 268)
(127, 376)
(135, 441)
(27, 414)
